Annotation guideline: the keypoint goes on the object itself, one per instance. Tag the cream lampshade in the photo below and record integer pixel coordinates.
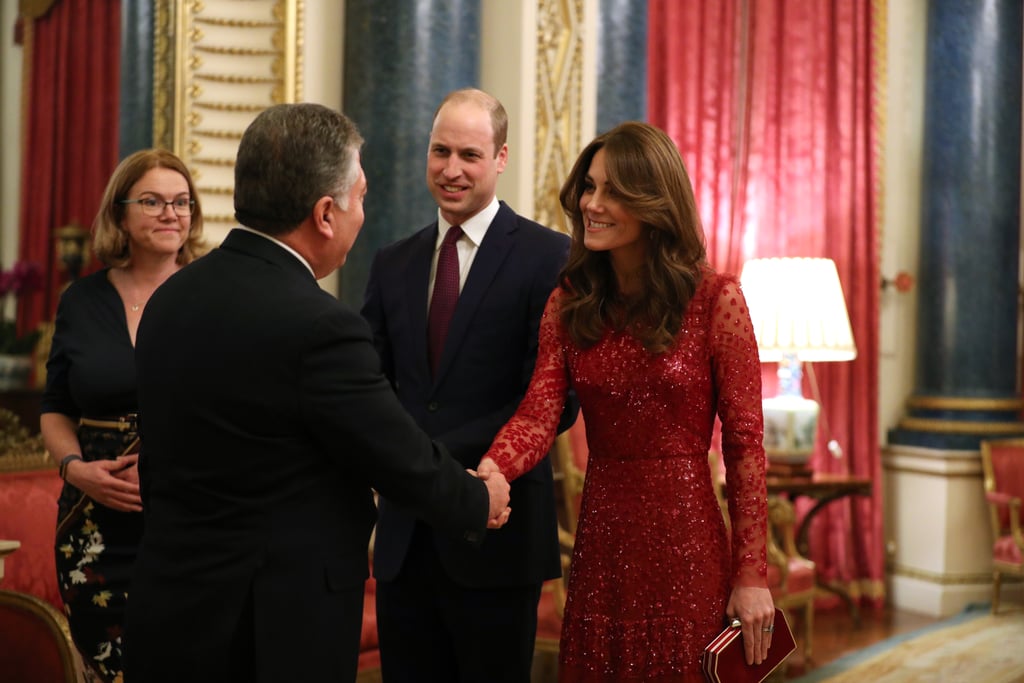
(799, 315)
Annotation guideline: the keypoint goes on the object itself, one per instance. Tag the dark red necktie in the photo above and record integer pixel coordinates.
(446, 294)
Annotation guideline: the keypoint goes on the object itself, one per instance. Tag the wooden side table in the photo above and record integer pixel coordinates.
(823, 488)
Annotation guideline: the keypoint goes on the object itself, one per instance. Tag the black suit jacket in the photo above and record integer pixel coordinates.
(265, 421)
(486, 365)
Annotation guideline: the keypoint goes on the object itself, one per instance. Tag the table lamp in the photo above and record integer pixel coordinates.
(799, 316)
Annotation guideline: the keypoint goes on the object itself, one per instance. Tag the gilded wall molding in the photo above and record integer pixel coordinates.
(944, 579)
(964, 403)
(218, 63)
(931, 473)
(975, 427)
(559, 119)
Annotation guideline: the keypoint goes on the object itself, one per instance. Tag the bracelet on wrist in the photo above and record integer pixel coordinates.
(65, 461)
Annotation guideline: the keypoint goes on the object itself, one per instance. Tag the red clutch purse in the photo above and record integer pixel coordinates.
(724, 661)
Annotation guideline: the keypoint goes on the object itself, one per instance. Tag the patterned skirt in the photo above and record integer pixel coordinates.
(95, 551)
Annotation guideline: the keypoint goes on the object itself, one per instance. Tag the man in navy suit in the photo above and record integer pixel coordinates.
(265, 421)
(447, 613)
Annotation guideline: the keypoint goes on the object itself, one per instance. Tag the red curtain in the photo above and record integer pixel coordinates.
(772, 105)
(70, 145)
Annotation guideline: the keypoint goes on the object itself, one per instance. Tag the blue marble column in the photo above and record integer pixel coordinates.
(966, 365)
(136, 115)
(401, 58)
(621, 63)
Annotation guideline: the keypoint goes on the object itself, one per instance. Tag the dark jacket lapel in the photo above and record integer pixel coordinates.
(418, 273)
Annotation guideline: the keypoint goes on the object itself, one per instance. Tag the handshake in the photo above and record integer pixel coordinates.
(498, 491)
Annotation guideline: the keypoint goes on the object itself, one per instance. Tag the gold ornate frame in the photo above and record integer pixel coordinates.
(217, 64)
(561, 34)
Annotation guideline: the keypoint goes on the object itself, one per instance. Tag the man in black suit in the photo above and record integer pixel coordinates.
(265, 421)
(447, 613)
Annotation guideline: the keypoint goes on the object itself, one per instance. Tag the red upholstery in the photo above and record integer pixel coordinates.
(1005, 549)
(791, 576)
(369, 652)
(36, 646)
(28, 513)
(569, 461)
(799, 579)
(549, 620)
(1008, 477)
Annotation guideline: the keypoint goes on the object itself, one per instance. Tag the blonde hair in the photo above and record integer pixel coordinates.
(110, 241)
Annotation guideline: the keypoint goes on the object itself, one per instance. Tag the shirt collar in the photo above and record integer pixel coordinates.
(474, 228)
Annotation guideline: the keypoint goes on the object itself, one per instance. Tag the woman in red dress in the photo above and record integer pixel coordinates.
(655, 344)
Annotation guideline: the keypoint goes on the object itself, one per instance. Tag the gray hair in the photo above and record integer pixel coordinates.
(290, 156)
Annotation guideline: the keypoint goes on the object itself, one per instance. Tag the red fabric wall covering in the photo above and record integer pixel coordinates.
(70, 145)
(28, 514)
(772, 104)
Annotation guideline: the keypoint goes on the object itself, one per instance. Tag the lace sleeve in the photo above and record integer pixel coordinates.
(527, 436)
(737, 373)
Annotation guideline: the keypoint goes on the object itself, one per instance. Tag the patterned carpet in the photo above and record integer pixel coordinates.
(972, 647)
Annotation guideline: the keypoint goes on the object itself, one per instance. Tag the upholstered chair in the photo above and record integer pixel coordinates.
(791, 576)
(1003, 463)
(568, 462)
(37, 645)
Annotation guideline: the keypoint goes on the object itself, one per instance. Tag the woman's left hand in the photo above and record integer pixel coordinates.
(754, 608)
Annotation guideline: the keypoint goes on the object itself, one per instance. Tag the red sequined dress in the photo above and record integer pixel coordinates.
(652, 568)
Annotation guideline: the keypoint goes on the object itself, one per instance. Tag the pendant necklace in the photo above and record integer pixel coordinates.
(135, 292)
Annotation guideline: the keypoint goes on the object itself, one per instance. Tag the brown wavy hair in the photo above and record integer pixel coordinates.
(647, 174)
(109, 240)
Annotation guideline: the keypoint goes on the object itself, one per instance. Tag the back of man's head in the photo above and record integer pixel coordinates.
(290, 156)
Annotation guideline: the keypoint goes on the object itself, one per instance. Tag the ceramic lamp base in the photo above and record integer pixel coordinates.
(790, 429)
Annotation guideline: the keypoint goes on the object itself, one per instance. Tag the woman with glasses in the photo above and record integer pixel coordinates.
(149, 225)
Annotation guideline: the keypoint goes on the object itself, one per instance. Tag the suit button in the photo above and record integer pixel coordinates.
(433, 406)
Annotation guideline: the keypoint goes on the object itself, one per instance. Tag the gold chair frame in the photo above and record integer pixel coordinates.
(1014, 507)
(55, 623)
(781, 549)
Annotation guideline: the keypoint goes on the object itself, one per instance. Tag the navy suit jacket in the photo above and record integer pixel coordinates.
(265, 422)
(484, 370)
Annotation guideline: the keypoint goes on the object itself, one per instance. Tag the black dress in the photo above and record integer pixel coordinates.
(91, 374)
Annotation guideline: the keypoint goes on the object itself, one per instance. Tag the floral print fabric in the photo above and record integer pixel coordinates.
(95, 550)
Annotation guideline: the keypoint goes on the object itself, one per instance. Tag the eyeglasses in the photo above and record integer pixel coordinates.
(154, 206)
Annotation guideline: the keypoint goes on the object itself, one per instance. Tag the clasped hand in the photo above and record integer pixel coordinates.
(114, 483)
(497, 489)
